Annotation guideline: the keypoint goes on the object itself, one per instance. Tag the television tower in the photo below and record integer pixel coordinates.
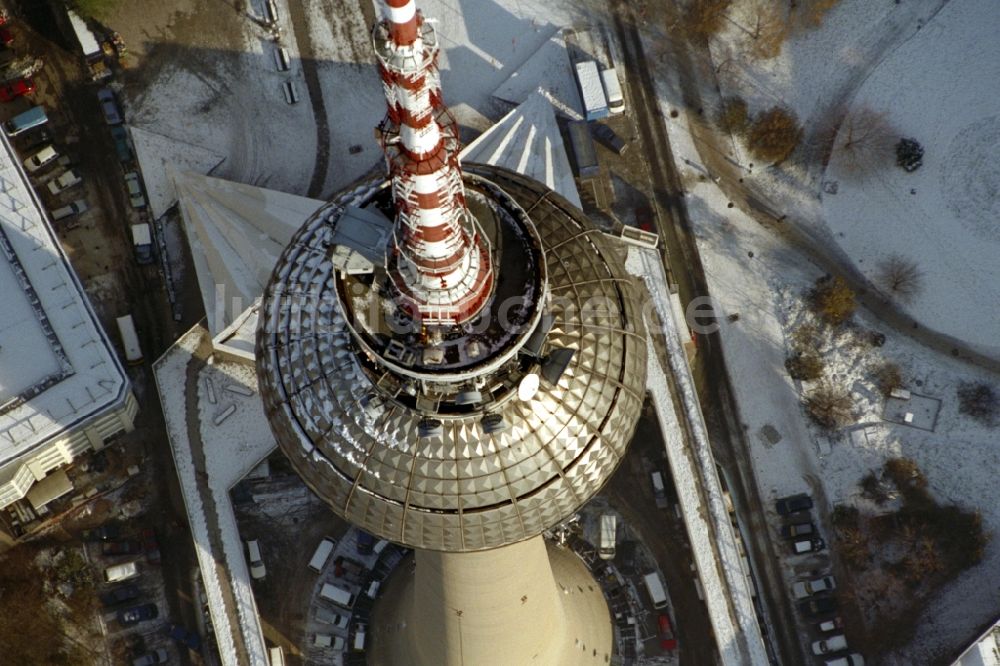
(454, 359)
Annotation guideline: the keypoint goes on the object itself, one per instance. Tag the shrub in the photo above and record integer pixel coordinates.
(845, 515)
(773, 135)
(888, 377)
(873, 489)
(900, 277)
(833, 299)
(909, 154)
(805, 366)
(830, 406)
(704, 18)
(979, 401)
(811, 12)
(733, 116)
(904, 472)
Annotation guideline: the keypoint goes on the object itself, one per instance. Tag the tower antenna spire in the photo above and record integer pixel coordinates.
(439, 260)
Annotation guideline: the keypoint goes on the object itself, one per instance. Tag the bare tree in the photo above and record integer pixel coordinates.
(830, 406)
(866, 140)
(704, 18)
(900, 277)
(768, 27)
(773, 135)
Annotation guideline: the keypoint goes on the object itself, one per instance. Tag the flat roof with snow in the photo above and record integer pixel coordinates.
(57, 367)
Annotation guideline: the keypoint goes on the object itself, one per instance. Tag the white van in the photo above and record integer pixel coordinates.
(373, 589)
(120, 572)
(328, 641)
(322, 554)
(43, 157)
(609, 529)
(612, 90)
(276, 656)
(359, 638)
(337, 595)
(257, 570)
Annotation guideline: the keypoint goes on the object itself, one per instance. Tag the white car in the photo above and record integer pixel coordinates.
(67, 179)
(853, 659)
(803, 589)
(135, 195)
(831, 644)
(40, 159)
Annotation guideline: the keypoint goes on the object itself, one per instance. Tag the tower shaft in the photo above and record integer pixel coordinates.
(440, 263)
(520, 604)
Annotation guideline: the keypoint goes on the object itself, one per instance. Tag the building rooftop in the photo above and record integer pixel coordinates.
(57, 366)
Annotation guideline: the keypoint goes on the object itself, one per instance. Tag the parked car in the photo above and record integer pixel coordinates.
(135, 195)
(815, 544)
(793, 503)
(114, 548)
(828, 645)
(853, 659)
(137, 614)
(349, 569)
(157, 656)
(832, 624)
(818, 606)
(807, 588)
(120, 572)
(644, 218)
(40, 159)
(67, 179)
(328, 641)
(797, 530)
(150, 545)
(182, 635)
(69, 210)
(102, 533)
(366, 542)
(120, 595)
(122, 147)
(109, 106)
(19, 88)
(607, 136)
(33, 140)
(667, 640)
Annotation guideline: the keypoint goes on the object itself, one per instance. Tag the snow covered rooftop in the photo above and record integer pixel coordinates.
(57, 367)
(527, 140)
(214, 444)
(548, 72)
(236, 233)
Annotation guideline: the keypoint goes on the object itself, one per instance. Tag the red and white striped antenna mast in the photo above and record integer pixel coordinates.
(439, 262)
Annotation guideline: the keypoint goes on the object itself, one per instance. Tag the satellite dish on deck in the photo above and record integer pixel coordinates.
(528, 387)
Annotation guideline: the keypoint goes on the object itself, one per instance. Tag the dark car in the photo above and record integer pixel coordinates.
(150, 545)
(609, 138)
(797, 530)
(366, 543)
(114, 548)
(793, 503)
(122, 147)
(120, 595)
(102, 533)
(158, 656)
(182, 635)
(644, 218)
(818, 606)
(109, 106)
(137, 614)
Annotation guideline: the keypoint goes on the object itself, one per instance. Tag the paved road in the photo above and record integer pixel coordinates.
(709, 369)
(300, 23)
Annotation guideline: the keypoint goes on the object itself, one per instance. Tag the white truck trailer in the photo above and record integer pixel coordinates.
(595, 104)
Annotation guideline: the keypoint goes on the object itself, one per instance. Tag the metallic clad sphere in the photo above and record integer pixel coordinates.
(482, 466)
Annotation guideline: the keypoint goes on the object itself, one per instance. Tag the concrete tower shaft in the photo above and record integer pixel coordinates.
(440, 262)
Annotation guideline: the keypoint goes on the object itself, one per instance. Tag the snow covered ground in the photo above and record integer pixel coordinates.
(753, 274)
(924, 65)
